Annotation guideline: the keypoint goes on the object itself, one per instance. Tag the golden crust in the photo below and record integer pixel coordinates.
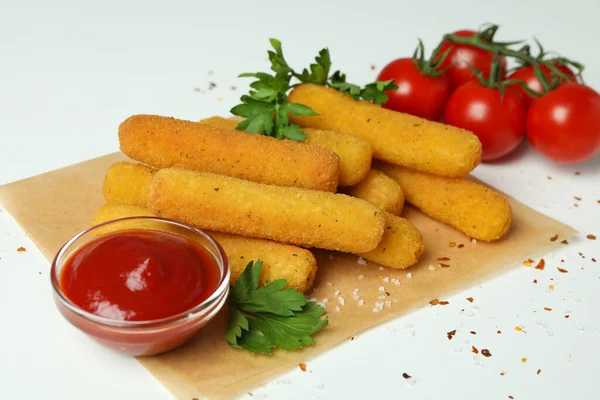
(474, 209)
(281, 261)
(303, 217)
(401, 245)
(355, 153)
(128, 183)
(396, 137)
(379, 189)
(164, 142)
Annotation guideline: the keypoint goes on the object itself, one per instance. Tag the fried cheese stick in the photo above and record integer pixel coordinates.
(355, 153)
(128, 183)
(401, 246)
(281, 261)
(476, 210)
(379, 189)
(396, 137)
(302, 217)
(168, 142)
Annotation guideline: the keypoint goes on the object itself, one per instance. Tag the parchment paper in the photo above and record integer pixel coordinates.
(52, 207)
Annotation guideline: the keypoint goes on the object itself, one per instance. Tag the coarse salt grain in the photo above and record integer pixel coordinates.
(381, 268)
(375, 309)
(355, 296)
(388, 303)
(337, 308)
(381, 289)
(395, 281)
(336, 292)
(355, 291)
(379, 304)
(474, 241)
(361, 277)
(329, 284)
(409, 275)
(361, 261)
(381, 297)
(386, 279)
(341, 300)
(361, 303)
(325, 300)
(432, 267)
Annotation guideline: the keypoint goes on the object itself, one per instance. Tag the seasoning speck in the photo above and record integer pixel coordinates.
(444, 265)
(474, 350)
(554, 238)
(302, 367)
(451, 244)
(434, 302)
(486, 353)
(523, 360)
(470, 299)
(528, 263)
(21, 249)
(518, 328)
(562, 270)
(565, 241)
(473, 333)
(406, 376)
(460, 246)
(451, 334)
(539, 371)
(547, 309)
(540, 265)
(443, 259)
(591, 237)
(443, 303)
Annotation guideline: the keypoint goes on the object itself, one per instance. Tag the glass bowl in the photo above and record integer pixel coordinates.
(142, 338)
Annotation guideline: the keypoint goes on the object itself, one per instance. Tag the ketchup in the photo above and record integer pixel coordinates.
(139, 275)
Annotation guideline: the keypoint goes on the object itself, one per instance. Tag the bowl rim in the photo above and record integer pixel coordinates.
(190, 314)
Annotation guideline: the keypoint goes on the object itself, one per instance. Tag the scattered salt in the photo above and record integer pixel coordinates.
(337, 308)
(386, 279)
(361, 277)
(325, 300)
(388, 303)
(341, 300)
(331, 257)
(381, 289)
(336, 292)
(375, 309)
(361, 303)
(381, 268)
(474, 241)
(361, 261)
(329, 284)
(409, 275)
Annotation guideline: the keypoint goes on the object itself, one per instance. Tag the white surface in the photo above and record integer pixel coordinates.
(71, 71)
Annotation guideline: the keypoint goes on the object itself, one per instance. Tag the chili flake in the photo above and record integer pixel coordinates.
(474, 350)
(593, 259)
(553, 238)
(540, 265)
(21, 249)
(547, 309)
(451, 334)
(562, 270)
(443, 303)
(591, 237)
(434, 302)
(486, 353)
(302, 367)
(470, 299)
(443, 259)
(406, 376)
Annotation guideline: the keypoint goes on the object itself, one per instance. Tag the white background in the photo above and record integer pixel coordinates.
(70, 72)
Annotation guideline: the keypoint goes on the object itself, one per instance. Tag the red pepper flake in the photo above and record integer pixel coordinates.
(535, 281)
(591, 237)
(565, 241)
(406, 376)
(451, 334)
(434, 302)
(451, 244)
(443, 259)
(21, 249)
(486, 353)
(443, 303)
(473, 333)
(528, 263)
(540, 265)
(470, 299)
(444, 265)
(577, 198)
(302, 367)
(539, 371)
(547, 309)
(562, 270)
(553, 238)
(460, 246)
(474, 350)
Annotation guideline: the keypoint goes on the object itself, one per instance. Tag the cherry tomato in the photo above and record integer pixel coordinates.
(417, 94)
(527, 75)
(564, 124)
(461, 56)
(497, 120)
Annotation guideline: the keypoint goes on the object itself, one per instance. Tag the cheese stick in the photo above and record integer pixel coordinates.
(164, 142)
(396, 137)
(355, 153)
(476, 210)
(302, 217)
(401, 245)
(381, 190)
(281, 261)
(128, 183)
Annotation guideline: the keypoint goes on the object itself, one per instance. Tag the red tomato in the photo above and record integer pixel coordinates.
(417, 94)
(497, 120)
(564, 125)
(527, 75)
(462, 55)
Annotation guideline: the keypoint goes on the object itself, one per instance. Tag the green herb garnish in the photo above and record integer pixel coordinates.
(261, 319)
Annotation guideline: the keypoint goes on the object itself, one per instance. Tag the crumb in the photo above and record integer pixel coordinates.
(565, 241)
(444, 265)
(550, 287)
(470, 299)
(499, 332)
(451, 334)
(562, 270)
(220, 99)
(233, 88)
(554, 238)
(21, 249)
(434, 302)
(451, 244)
(591, 237)
(567, 316)
(502, 373)
(535, 281)
(518, 328)
(540, 265)
(473, 333)
(523, 360)
(406, 376)
(352, 338)
(528, 263)
(539, 371)
(576, 205)
(303, 366)
(577, 198)
(211, 85)
(443, 259)
(443, 303)
(474, 350)
(547, 309)
(460, 246)
(593, 259)
(549, 177)
(486, 353)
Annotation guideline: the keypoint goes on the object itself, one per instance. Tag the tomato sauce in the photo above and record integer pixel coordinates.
(139, 275)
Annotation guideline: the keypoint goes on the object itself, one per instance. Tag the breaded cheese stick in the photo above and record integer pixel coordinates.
(128, 183)
(281, 261)
(381, 190)
(396, 137)
(401, 246)
(355, 153)
(476, 210)
(164, 142)
(307, 218)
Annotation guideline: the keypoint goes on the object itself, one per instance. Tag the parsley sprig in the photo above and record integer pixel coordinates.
(271, 316)
(266, 108)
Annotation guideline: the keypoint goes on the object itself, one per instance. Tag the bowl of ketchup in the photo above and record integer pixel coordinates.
(140, 285)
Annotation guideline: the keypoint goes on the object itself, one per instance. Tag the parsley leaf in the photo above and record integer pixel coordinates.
(263, 318)
(319, 72)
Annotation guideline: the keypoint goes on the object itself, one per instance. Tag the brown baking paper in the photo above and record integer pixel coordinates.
(52, 207)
